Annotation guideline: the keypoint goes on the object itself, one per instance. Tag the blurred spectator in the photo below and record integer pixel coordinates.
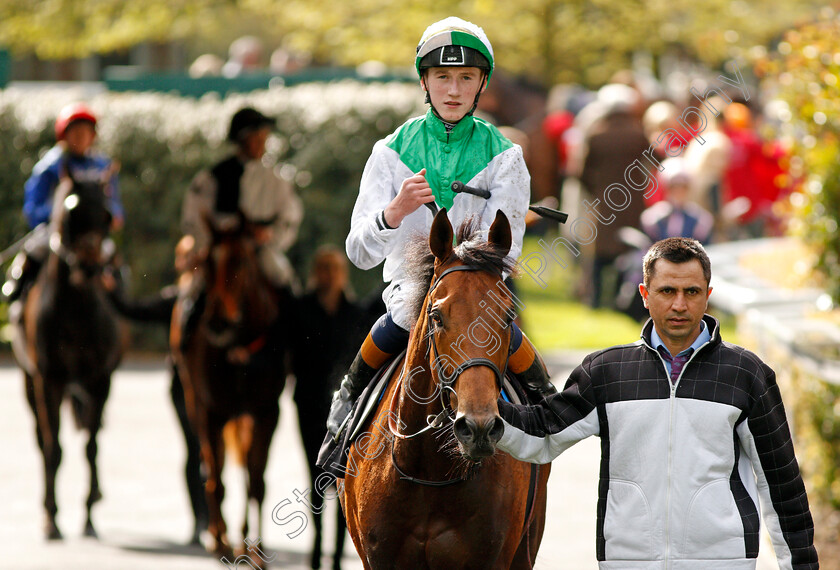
(206, 65)
(330, 326)
(557, 122)
(677, 215)
(707, 162)
(245, 54)
(285, 61)
(615, 142)
(751, 172)
(658, 118)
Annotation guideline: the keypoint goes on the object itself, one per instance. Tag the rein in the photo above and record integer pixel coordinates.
(445, 382)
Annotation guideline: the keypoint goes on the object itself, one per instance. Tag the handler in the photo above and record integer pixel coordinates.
(693, 433)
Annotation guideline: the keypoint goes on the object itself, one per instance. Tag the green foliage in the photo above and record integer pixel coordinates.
(804, 72)
(550, 40)
(325, 134)
(816, 413)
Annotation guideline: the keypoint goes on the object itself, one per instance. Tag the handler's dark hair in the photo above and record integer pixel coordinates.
(676, 250)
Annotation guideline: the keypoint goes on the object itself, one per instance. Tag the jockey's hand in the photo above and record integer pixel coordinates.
(414, 192)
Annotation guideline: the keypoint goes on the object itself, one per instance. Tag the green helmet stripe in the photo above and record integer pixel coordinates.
(469, 40)
(455, 37)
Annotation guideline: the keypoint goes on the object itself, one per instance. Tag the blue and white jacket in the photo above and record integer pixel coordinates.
(38, 189)
(683, 464)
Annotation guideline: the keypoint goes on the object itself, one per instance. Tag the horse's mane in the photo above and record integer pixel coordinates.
(472, 249)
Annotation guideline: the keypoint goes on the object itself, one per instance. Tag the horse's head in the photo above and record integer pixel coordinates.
(240, 301)
(468, 312)
(82, 221)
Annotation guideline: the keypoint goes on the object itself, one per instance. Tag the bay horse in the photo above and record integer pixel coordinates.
(232, 366)
(72, 340)
(430, 490)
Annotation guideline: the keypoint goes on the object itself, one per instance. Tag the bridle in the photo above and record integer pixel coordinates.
(445, 382)
(231, 335)
(56, 244)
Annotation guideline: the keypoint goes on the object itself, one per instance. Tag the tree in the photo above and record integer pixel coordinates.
(803, 73)
(551, 40)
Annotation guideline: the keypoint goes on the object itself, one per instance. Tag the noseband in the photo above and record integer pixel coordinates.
(446, 381)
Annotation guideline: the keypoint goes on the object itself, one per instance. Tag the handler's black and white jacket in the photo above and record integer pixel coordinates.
(682, 465)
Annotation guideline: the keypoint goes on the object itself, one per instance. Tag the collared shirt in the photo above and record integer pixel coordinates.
(657, 344)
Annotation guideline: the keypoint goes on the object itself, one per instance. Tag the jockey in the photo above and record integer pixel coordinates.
(416, 165)
(72, 155)
(242, 184)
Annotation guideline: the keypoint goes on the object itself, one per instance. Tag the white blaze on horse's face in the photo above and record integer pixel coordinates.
(71, 201)
(474, 340)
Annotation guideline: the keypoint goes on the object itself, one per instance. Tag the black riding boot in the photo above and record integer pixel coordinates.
(535, 380)
(359, 375)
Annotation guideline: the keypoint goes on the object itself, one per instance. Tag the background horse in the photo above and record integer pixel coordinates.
(232, 368)
(72, 340)
(449, 501)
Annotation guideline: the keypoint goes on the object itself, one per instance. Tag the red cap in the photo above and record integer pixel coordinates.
(70, 113)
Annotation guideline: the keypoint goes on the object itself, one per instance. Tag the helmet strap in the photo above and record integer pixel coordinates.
(480, 89)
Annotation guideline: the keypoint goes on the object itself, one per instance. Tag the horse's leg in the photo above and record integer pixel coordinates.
(264, 424)
(30, 398)
(340, 535)
(311, 424)
(213, 452)
(47, 404)
(317, 510)
(194, 479)
(92, 416)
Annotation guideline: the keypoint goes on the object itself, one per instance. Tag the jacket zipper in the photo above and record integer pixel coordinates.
(672, 398)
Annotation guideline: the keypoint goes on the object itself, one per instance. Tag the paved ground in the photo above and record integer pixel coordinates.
(144, 519)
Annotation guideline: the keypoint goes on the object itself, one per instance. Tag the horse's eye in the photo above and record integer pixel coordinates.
(436, 318)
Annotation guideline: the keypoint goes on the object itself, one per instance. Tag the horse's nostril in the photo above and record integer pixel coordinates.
(464, 429)
(497, 429)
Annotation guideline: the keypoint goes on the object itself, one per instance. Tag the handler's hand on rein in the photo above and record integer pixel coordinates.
(414, 192)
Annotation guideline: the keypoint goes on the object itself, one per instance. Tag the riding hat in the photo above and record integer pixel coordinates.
(454, 42)
(70, 114)
(245, 121)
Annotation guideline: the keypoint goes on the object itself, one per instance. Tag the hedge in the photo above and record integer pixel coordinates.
(325, 134)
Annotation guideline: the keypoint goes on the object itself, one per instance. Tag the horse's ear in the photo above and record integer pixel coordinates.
(440, 238)
(499, 234)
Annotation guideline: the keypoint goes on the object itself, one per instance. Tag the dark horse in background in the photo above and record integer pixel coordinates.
(425, 486)
(72, 341)
(232, 366)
